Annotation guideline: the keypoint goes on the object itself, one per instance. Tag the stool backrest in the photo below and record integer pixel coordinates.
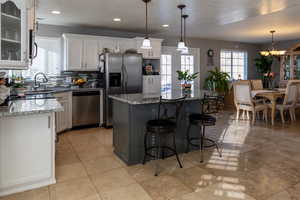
(163, 111)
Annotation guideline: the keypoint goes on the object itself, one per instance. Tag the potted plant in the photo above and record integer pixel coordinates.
(263, 65)
(187, 78)
(217, 81)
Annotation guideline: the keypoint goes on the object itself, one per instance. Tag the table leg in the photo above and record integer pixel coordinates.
(273, 102)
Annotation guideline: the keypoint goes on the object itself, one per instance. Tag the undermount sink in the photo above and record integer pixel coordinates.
(39, 92)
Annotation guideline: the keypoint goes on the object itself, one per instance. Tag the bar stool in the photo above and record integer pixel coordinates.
(160, 130)
(201, 120)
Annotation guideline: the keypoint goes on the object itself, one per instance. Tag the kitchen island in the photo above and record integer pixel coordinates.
(27, 145)
(131, 113)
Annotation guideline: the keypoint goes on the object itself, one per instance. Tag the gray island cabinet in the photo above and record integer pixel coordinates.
(131, 113)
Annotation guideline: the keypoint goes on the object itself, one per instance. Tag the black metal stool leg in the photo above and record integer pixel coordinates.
(145, 146)
(218, 150)
(202, 143)
(158, 152)
(188, 139)
(175, 149)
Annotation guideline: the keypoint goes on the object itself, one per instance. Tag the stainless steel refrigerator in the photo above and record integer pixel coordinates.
(123, 75)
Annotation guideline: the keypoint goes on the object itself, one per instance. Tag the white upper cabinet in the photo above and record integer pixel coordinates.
(90, 54)
(80, 53)
(73, 54)
(153, 53)
(14, 34)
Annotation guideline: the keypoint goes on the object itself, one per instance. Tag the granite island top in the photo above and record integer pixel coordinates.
(30, 107)
(140, 98)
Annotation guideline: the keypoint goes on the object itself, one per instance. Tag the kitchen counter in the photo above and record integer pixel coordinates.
(31, 107)
(140, 98)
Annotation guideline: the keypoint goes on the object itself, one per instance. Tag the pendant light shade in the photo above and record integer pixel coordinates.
(272, 51)
(181, 44)
(185, 50)
(146, 42)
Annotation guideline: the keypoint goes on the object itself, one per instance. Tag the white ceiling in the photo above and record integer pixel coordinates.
(233, 20)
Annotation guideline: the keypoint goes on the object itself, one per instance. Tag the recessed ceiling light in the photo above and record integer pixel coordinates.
(55, 12)
(165, 25)
(117, 19)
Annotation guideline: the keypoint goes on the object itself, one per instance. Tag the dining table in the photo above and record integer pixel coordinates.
(272, 96)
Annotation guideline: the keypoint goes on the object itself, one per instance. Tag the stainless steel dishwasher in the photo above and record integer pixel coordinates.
(87, 109)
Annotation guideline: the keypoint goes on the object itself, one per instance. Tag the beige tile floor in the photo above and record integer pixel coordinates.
(259, 163)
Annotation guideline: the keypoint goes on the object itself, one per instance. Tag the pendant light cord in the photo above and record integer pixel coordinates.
(181, 39)
(147, 36)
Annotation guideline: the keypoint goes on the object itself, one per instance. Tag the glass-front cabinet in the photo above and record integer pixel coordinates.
(13, 34)
(290, 65)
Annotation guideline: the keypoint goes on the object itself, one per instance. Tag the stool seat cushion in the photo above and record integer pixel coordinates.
(202, 118)
(161, 125)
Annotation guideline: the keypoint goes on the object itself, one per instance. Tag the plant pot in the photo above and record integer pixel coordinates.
(186, 86)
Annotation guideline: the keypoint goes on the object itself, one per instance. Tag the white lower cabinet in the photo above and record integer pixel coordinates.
(27, 152)
(151, 84)
(63, 120)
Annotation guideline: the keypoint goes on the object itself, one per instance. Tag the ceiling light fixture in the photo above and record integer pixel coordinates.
(55, 12)
(272, 51)
(165, 25)
(186, 49)
(146, 42)
(181, 44)
(117, 19)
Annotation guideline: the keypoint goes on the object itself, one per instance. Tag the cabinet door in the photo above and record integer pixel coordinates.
(107, 43)
(14, 35)
(156, 50)
(74, 54)
(125, 44)
(91, 50)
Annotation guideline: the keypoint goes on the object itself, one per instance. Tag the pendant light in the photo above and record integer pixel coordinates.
(146, 42)
(185, 49)
(181, 44)
(272, 51)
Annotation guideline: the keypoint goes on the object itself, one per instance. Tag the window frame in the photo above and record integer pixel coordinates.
(164, 76)
(245, 64)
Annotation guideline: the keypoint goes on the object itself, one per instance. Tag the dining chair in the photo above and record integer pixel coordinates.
(244, 101)
(257, 85)
(290, 101)
(298, 93)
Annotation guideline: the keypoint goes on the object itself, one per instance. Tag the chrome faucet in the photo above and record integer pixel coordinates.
(36, 84)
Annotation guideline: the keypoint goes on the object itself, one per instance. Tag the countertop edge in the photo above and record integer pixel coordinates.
(55, 108)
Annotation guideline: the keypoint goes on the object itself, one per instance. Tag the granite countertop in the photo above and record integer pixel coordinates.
(30, 107)
(141, 98)
(63, 89)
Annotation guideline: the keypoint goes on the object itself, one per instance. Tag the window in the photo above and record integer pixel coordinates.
(187, 64)
(234, 63)
(166, 73)
(48, 59)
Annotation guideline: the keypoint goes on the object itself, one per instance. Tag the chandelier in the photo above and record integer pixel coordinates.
(272, 51)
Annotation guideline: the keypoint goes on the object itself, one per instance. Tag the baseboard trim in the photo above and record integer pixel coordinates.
(30, 186)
